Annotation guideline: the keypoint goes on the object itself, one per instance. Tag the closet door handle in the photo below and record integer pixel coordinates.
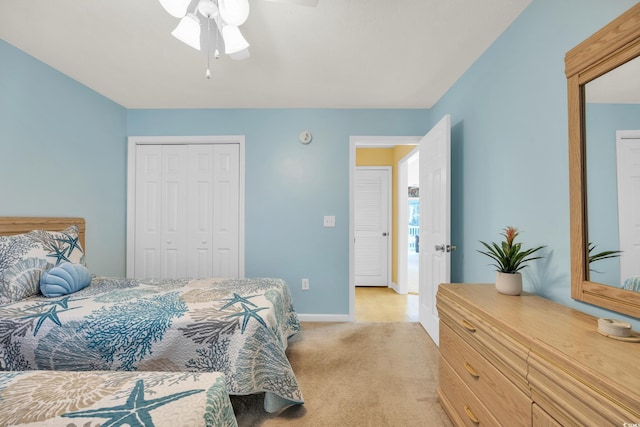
(471, 415)
(471, 371)
(468, 325)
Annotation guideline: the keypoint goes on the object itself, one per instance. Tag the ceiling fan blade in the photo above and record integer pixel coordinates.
(309, 3)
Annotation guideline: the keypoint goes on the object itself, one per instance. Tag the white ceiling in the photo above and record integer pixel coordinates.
(339, 54)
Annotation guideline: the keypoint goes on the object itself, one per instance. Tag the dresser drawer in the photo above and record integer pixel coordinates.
(463, 407)
(542, 419)
(571, 401)
(508, 404)
(501, 350)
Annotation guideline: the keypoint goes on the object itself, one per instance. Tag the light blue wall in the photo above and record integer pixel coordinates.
(63, 153)
(290, 187)
(509, 144)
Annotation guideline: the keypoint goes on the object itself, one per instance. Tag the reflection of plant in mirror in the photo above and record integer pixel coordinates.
(600, 255)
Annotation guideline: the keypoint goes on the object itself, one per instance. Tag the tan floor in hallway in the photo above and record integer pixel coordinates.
(382, 304)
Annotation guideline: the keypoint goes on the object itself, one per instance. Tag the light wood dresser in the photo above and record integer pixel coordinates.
(527, 361)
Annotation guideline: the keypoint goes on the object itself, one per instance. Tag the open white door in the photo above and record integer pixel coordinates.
(435, 217)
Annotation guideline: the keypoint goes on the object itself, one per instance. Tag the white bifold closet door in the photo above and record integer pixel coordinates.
(187, 211)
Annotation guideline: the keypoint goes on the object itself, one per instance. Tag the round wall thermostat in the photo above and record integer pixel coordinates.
(305, 137)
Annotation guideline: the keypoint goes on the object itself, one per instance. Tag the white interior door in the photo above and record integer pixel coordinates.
(435, 217)
(628, 159)
(372, 205)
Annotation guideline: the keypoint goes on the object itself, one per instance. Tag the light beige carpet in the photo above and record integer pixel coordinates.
(358, 374)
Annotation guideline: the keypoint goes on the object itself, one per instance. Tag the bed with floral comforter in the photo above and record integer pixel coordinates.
(239, 327)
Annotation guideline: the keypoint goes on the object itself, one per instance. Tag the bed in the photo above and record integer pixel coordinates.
(57, 398)
(239, 327)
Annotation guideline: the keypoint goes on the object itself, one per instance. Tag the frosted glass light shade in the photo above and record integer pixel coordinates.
(177, 8)
(233, 39)
(234, 12)
(188, 31)
(240, 55)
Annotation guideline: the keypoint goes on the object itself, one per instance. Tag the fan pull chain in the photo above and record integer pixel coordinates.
(216, 54)
(208, 73)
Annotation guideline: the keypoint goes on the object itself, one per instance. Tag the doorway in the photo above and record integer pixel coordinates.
(398, 229)
(435, 249)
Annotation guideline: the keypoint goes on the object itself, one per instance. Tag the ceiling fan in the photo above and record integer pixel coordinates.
(228, 16)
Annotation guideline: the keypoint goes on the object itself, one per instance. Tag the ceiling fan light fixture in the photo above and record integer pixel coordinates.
(233, 39)
(234, 12)
(177, 8)
(188, 31)
(208, 8)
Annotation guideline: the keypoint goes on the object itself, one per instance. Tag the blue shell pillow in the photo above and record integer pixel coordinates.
(24, 257)
(64, 279)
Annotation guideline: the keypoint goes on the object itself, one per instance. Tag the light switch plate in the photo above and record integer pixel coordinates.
(329, 221)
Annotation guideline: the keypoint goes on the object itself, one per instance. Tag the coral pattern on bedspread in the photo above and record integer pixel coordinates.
(239, 327)
(48, 398)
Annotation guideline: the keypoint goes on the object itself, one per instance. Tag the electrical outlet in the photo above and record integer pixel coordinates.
(305, 284)
(329, 221)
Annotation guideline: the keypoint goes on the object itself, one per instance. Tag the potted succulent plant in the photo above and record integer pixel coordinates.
(509, 259)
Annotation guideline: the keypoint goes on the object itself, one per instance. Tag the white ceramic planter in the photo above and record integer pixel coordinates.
(509, 283)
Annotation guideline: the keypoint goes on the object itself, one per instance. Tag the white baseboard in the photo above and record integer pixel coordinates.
(335, 317)
(325, 318)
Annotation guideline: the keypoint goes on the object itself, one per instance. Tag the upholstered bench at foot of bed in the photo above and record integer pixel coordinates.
(62, 398)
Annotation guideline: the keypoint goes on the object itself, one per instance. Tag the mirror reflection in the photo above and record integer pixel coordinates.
(612, 113)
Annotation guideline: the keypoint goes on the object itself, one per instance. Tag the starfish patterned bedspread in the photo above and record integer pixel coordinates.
(55, 398)
(239, 327)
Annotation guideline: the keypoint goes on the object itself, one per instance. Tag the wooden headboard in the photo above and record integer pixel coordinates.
(10, 225)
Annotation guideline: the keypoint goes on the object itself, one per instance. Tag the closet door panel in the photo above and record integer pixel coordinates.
(174, 209)
(200, 212)
(148, 224)
(226, 183)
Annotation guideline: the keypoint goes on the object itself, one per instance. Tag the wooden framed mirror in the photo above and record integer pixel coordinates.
(605, 56)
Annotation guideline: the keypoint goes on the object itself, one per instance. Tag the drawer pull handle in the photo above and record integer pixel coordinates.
(471, 371)
(471, 415)
(468, 326)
